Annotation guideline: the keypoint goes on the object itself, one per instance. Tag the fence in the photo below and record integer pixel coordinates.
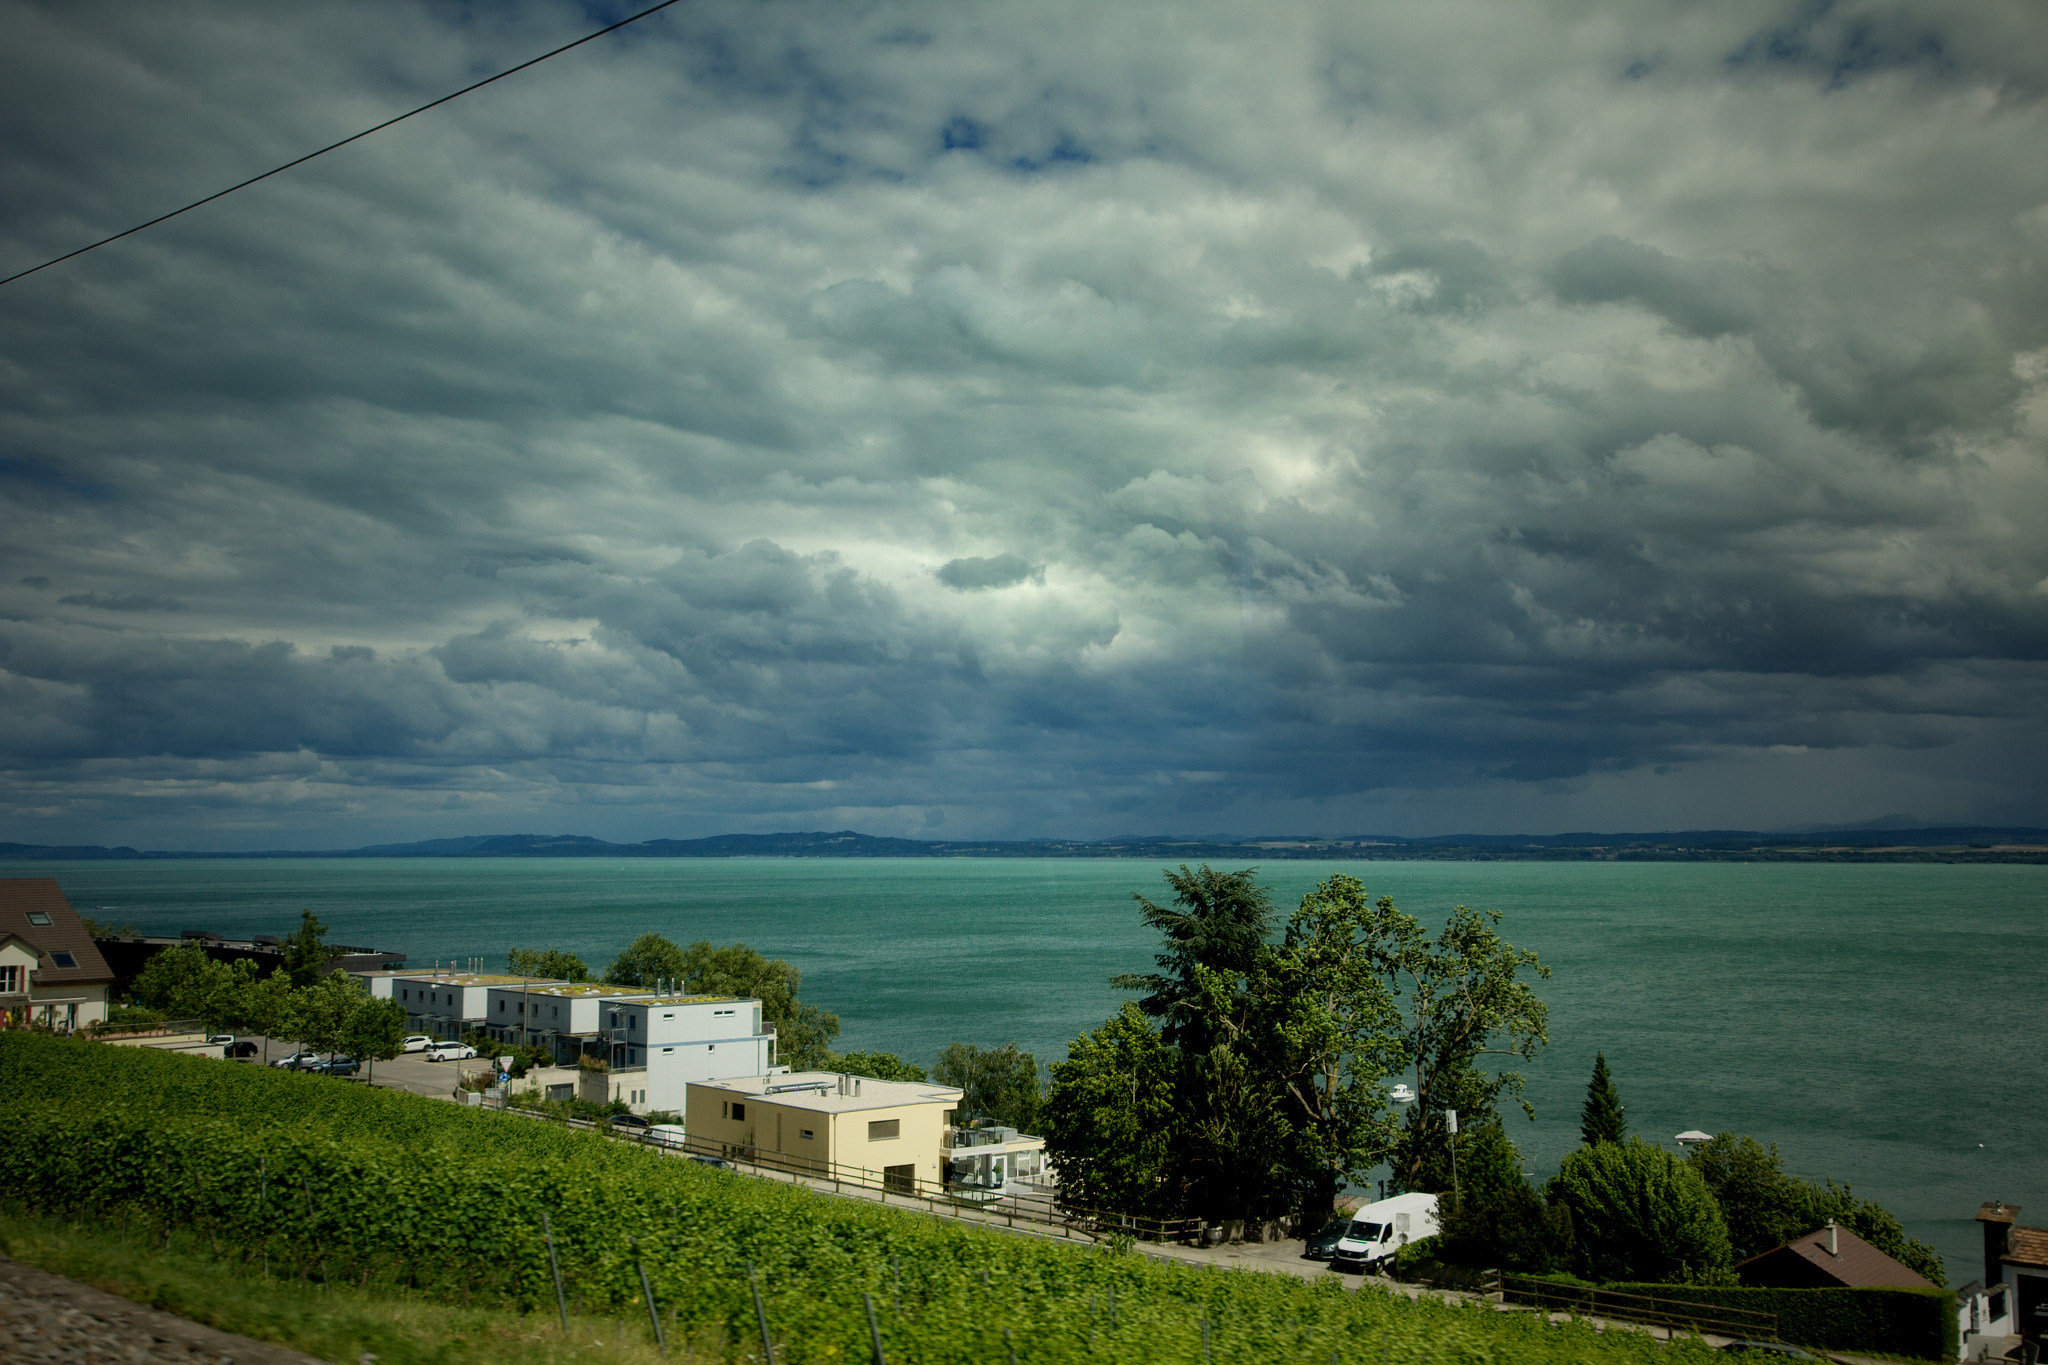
(1586, 1301)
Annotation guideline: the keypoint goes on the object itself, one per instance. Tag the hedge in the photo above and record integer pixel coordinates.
(1906, 1322)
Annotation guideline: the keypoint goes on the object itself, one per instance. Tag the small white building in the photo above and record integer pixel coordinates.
(381, 983)
(660, 1044)
(448, 1004)
(989, 1163)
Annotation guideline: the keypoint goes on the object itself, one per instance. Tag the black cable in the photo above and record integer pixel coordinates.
(56, 260)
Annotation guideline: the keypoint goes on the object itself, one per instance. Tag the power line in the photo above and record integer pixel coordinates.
(509, 71)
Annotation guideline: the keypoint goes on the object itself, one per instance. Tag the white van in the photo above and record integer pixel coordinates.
(1379, 1230)
(667, 1134)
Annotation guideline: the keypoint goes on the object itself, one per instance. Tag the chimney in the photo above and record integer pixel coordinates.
(1834, 1245)
(1997, 1220)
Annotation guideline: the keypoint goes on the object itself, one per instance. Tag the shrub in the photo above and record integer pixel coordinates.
(1907, 1322)
(1638, 1213)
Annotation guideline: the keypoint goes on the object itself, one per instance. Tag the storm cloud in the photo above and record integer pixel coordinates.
(1044, 420)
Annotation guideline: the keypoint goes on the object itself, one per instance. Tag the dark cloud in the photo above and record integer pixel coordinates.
(1417, 419)
(1002, 571)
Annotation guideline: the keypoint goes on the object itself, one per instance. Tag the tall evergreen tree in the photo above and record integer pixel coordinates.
(1603, 1119)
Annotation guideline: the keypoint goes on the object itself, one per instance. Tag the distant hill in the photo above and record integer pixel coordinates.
(1946, 844)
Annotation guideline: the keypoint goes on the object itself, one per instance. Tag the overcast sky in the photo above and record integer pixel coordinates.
(1023, 420)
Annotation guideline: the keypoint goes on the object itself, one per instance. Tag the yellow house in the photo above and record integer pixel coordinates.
(891, 1132)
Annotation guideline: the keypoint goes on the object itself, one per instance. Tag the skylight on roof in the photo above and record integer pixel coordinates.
(38, 918)
(64, 959)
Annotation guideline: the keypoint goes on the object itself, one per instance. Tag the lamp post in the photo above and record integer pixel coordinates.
(1451, 1117)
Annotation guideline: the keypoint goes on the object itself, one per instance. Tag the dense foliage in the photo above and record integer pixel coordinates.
(1904, 1322)
(333, 1014)
(1766, 1207)
(998, 1085)
(1270, 1062)
(306, 1176)
(552, 964)
(1639, 1213)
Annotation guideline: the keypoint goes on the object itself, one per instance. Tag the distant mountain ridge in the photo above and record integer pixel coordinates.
(1932, 844)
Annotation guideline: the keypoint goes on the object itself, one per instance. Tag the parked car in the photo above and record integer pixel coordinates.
(336, 1066)
(450, 1052)
(631, 1123)
(1380, 1229)
(298, 1061)
(220, 1040)
(245, 1048)
(416, 1042)
(720, 1162)
(1323, 1245)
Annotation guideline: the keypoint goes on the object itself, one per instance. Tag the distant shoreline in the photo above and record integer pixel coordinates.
(1933, 845)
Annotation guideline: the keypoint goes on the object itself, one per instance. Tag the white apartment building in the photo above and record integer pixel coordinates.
(659, 1044)
(567, 1017)
(449, 1004)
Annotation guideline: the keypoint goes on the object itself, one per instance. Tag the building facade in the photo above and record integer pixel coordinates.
(893, 1133)
(449, 1004)
(659, 1044)
(565, 1017)
(51, 973)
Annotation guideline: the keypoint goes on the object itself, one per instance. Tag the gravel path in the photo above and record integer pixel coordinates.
(47, 1318)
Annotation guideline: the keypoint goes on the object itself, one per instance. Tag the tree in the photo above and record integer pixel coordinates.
(1222, 925)
(551, 964)
(1328, 1033)
(648, 961)
(320, 1014)
(1466, 999)
(306, 952)
(266, 1008)
(999, 1085)
(1766, 1207)
(882, 1066)
(1109, 1118)
(1603, 1119)
(1639, 1213)
(1500, 1221)
(372, 1030)
(179, 980)
(803, 1033)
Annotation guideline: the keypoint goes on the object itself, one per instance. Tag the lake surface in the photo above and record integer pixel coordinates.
(1884, 1025)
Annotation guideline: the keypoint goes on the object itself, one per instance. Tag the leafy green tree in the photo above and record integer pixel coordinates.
(999, 1085)
(649, 960)
(882, 1066)
(1639, 1213)
(551, 964)
(265, 1008)
(319, 1015)
(372, 1030)
(1464, 999)
(1110, 1116)
(1231, 1141)
(1328, 1033)
(183, 982)
(1603, 1119)
(306, 951)
(1500, 1221)
(1766, 1207)
(803, 1033)
(1220, 924)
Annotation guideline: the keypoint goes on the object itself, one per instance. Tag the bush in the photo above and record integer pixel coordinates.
(1638, 1213)
(1499, 1221)
(1907, 1322)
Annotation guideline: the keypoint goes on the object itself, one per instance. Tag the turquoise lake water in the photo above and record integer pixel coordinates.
(1882, 1024)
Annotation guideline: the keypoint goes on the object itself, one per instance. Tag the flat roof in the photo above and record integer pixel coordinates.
(467, 978)
(696, 1000)
(819, 1090)
(567, 990)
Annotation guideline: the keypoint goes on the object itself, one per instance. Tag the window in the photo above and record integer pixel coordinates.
(721, 1013)
(665, 1051)
(880, 1129)
(64, 959)
(739, 1111)
(10, 980)
(807, 1134)
(668, 1016)
(501, 1007)
(404, 993)
(39, 919)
